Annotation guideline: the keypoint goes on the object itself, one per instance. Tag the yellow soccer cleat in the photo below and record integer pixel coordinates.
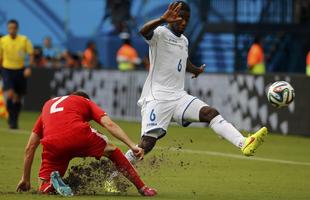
(253, 142)
(109, 186)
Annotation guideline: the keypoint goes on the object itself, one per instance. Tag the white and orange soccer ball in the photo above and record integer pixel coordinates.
(280, 94)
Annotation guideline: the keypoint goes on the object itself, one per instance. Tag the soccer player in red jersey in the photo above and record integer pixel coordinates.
(64, 131)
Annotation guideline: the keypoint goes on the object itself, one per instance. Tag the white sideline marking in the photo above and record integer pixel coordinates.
(201, 152)
(229, 155)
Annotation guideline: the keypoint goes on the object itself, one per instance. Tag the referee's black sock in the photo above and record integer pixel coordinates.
(15, 114)
(10, 108)
(18, 107)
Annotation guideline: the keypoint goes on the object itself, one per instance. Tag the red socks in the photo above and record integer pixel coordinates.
(124, 166)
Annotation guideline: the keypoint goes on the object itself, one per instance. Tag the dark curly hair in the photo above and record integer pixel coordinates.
(185, 6)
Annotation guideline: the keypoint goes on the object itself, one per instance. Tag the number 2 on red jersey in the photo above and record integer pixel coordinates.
(54, 107)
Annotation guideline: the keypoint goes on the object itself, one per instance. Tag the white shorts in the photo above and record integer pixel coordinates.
(157, 115)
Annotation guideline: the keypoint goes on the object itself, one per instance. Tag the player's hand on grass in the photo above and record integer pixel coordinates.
(172, 14)
(23, 186)
(138, 152)
(200, 70)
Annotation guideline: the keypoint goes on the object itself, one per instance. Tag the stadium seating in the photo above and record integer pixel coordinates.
(71, 29)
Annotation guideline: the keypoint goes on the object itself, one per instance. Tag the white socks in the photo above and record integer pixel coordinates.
(131, 157)
(227, 131)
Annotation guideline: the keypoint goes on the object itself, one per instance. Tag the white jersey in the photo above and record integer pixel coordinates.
(168, 55)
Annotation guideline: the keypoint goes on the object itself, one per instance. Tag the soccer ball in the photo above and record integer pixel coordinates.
(280, 94)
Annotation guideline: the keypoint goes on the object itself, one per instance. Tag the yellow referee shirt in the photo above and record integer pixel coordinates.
(13, 51)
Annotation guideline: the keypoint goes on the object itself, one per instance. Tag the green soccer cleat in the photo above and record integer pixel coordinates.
(253, 142)
(59, 185)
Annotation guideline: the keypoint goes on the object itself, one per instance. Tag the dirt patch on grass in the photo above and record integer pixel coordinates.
(89, 177)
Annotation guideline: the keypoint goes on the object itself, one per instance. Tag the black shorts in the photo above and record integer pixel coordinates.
(14, 79)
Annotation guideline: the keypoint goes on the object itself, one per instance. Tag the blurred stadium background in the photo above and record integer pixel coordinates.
(221, 33)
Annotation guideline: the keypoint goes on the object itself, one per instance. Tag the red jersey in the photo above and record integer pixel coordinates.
(65, 116)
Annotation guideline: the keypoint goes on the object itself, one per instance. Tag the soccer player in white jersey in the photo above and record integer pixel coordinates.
(164, 99)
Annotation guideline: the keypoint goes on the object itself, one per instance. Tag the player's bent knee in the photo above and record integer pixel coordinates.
(207, 113)
(147, 143)
(109, 149)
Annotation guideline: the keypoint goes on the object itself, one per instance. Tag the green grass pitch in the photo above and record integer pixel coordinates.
(196, 164)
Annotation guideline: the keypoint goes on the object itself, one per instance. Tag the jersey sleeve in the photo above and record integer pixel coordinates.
(96, 112)
(38, 127)
(156, 33)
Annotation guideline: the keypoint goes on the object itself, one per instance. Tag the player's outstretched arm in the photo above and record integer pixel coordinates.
(171, 15)
(33, 142)
(191, 68)
(118, 132)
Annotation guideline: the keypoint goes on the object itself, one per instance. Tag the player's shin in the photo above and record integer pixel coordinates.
(131, 158)
(227, 131)
(124, 166)
(10, 107)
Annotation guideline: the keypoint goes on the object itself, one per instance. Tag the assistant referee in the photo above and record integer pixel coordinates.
(13, 50)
